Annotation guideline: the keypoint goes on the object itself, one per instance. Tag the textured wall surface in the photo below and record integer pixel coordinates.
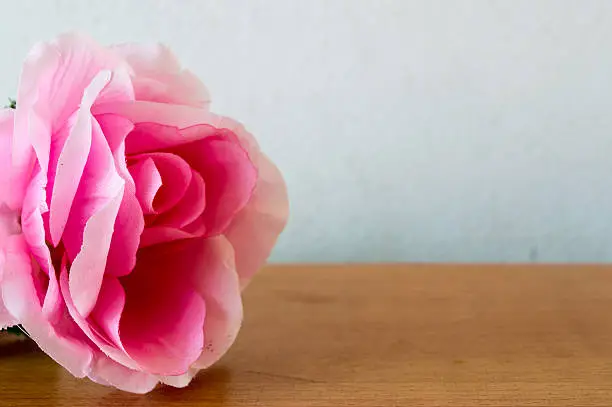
(407, 130)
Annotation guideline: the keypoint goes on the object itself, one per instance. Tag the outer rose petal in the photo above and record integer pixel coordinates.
(113, 351)
(159, 77)
(179, 381)
(21, 299)
(8, 218)
(110, 373)
(46, 100)
(6, 319)
(72, 159)
(72, 56)
(220, 288)
(34, 206)
(161, 325)
(9, 226)
(33, 229)
(255, 229)
(6, 169)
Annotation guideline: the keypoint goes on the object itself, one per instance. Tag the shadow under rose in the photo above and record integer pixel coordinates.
(11, 346)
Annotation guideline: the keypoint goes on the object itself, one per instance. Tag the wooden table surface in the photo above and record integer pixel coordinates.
(396, 335)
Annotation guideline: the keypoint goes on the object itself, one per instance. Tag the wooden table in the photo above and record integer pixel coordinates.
(395, 335)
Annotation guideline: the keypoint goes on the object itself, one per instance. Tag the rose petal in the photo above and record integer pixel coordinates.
(179, 381)
(72, 159)
(189, 208)
(115, 129)
(99, 185)
(150, 57)
(47, 100)
(217, 155)
(52, 305)
(175, 176)
(162, 234)
(80, 59)
(20, 297)
(6, 168)
(32, 124)
(150, 137)
(126, 237)
(228, 172)
(119, 88)
(110, 373)
(219, 286)
(148, 181)
(164, 114)
(161, 326)
(108, 309)
(88, 266)
(6, 319)
(149, 116)
(255, 229)
(130, 222)
(9, 219)
(158, 76)
(33, 228)
(96, 335)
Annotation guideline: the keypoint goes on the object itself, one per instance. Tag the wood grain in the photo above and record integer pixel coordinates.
(394, 335)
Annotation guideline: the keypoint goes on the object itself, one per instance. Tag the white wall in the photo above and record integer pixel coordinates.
(407, 130)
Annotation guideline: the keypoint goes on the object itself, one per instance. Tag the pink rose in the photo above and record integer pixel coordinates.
(130, 215)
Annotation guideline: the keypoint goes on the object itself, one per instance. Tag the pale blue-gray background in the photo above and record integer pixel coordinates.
(407, 130)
